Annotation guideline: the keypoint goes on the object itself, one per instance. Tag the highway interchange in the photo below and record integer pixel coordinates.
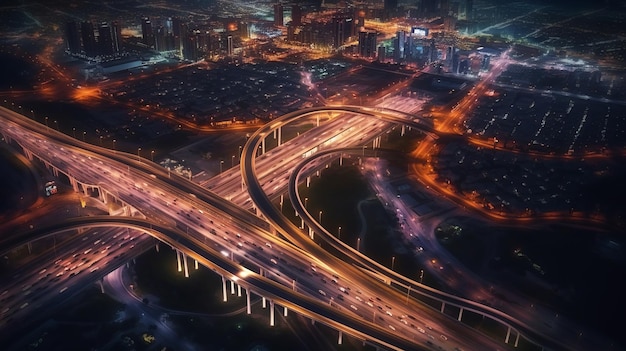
(228, 227)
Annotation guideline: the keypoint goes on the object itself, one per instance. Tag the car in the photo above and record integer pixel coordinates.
(322, 292)
(392, 327)
(353, 307)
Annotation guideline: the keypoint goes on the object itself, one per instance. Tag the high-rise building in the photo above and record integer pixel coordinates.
(105, 39)
(382, 53)
(116, 35)
(343, 27)
(230, 49)
(147, 32)
(160, 39)
(296, 15)
(398, 49)
(367, 44)
(72, 37)
(89, 39)
(278, 14)
(190, 47)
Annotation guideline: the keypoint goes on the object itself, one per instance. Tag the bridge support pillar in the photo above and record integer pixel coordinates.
(74, 184)
(103, 195)
(156, 246)
(195, 262)
(285, 311)
(508, 335)
(280, 135)
(238, 290)
(180, 267)
(248, 309)
(271, 313)
(225, 296)
(30, 248)
(232, 287)
(263, 146)
(341, 159)
(263, 301)
(340, 339)
(308, 181)
(402, 131)
(312, 321)
(100, 282)
(185, 264)
(460, 314)
(516, 340)
(443, 306)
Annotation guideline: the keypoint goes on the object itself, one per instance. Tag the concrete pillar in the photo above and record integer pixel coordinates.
(285, 311)
(460, 314)
(100, 282)
(443, 306)
(263, 301)
(402, 130)
(280, 135)
(30, 248)
(100, 195)
(224, 289)
(308, 181)
(238, 290)
(341, 159)
(185, 264)
(508, 334)
(156, 246)
(516, 340)
(340, 340)
(248, 309)
(232, 287)
(195, 262)
(180, 267)
(271, 313)
(263, 146)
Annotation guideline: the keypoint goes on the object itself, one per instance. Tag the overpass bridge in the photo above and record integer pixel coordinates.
(160, 179)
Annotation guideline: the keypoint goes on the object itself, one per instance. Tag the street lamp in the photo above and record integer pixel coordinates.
(138, 156)
(57, 123)
(320, 217)
(358, 244)
(46, 123)
(339, 232)
(152, 155)
(232, 161)
(221, 163)
(393, 261)
(114, 144)
(84, 135)
(306, 199)
(101, 140)
(74, 132)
